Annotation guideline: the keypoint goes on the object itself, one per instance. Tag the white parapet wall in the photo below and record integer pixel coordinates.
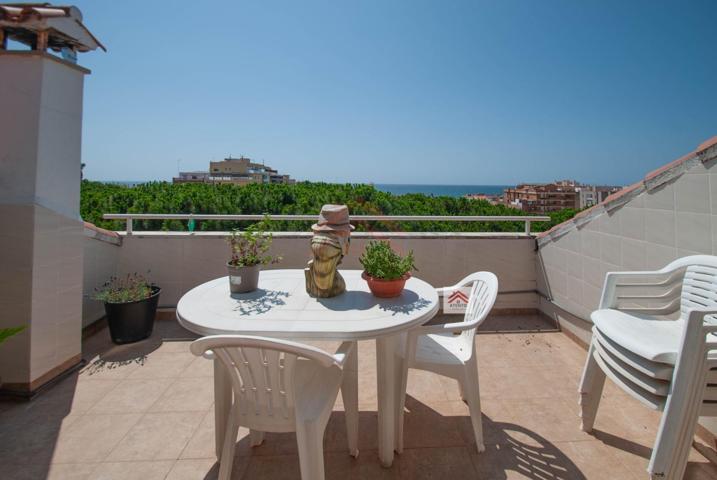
(101, 252)
(179, 261)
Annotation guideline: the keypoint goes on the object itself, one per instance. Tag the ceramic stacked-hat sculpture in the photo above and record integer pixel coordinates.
(329, 244)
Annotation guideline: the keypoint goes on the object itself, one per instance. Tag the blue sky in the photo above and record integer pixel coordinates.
(452, 92)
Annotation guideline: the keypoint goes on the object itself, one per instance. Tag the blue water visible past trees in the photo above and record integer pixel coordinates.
(303, 198)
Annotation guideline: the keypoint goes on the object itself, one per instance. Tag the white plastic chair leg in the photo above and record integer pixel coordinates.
(682, 408)
(256, 438)
(472, 394)
(403, 363)
(349, 394)
(227, 457)
(591, 385)
(222, 404)
(310, 440)
(673, 443)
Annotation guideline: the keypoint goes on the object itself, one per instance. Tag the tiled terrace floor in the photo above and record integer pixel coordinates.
(145, 412)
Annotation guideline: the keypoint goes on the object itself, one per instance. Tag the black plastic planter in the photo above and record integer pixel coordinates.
(133, 321)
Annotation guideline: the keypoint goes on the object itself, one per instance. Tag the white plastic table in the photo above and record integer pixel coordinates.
(281, 308)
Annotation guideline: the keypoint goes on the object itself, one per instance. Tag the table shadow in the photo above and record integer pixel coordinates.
(408, 302)
(259, 301)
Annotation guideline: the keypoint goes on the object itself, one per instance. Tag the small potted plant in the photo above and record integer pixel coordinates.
(248, 253)
(385, 271)
(130, 305)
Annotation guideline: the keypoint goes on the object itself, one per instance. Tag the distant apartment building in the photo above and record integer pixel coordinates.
(550, 197)
(239, 171)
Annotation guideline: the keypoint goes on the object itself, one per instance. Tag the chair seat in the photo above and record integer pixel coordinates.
(643, 335)
(442, 349)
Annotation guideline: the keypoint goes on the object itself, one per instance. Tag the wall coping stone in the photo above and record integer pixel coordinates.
(93, 231)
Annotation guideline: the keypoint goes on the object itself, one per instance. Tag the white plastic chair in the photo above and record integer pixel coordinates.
(437, 349)
(279, 386)
(668, 364)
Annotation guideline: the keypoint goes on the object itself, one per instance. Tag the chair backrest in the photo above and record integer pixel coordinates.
(262, 375)
(699, 285)
(482, 298)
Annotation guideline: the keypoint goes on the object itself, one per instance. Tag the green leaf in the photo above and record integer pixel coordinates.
(6, 333)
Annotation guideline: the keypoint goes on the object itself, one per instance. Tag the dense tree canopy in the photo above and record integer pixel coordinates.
(302, 198)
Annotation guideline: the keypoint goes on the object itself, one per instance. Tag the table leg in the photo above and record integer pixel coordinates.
(349, 394)
(222, 404)
(386, 388)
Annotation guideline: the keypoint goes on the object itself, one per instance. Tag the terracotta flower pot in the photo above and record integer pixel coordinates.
(243, 279)
(386, 288)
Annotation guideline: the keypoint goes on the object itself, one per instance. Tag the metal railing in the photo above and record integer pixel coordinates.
(129, 217)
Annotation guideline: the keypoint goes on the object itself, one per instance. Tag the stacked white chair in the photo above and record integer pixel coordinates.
(279, 386)
(438, 349)
(668, 363)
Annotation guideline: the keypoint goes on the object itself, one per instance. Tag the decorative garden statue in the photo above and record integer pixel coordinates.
(329, 244)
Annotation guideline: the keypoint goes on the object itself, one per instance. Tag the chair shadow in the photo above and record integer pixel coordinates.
(622, 444)
(509, 447)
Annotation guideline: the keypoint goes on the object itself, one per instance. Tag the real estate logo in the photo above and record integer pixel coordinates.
(456, 301)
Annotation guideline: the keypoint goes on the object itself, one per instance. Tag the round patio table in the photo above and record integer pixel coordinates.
(281, 308)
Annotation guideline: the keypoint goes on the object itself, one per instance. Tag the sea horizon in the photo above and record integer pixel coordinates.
(449, 190)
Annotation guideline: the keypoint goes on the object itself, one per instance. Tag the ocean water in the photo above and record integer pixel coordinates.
(441, 190)
(401, 188)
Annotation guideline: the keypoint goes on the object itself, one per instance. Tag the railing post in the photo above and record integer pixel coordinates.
(129, 225)
(527, 227)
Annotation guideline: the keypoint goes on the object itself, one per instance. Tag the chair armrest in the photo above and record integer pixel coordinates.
(463, 283)
(343, 353)
(609, 298)
(443, 328)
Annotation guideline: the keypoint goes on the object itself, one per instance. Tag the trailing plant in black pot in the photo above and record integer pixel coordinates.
(131, 305)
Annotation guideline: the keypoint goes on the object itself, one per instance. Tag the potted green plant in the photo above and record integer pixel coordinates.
(384, 270)
(131, 305)
(248, 253)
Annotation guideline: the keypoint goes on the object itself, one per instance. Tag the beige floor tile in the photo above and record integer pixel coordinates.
(31, 436)
(133, 471)
(186, 395)
(75, 395)
(555, 419)
(198, 469)
(163, 365)
(99, 369)
(284, 467)
(201, 444)
(437, 463)
(92, 437)
(132, 396)
(199, 367)
(157, 436)
(173, 347)
(44, 471)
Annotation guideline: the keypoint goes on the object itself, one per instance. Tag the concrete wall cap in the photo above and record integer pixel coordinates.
(93, 231)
